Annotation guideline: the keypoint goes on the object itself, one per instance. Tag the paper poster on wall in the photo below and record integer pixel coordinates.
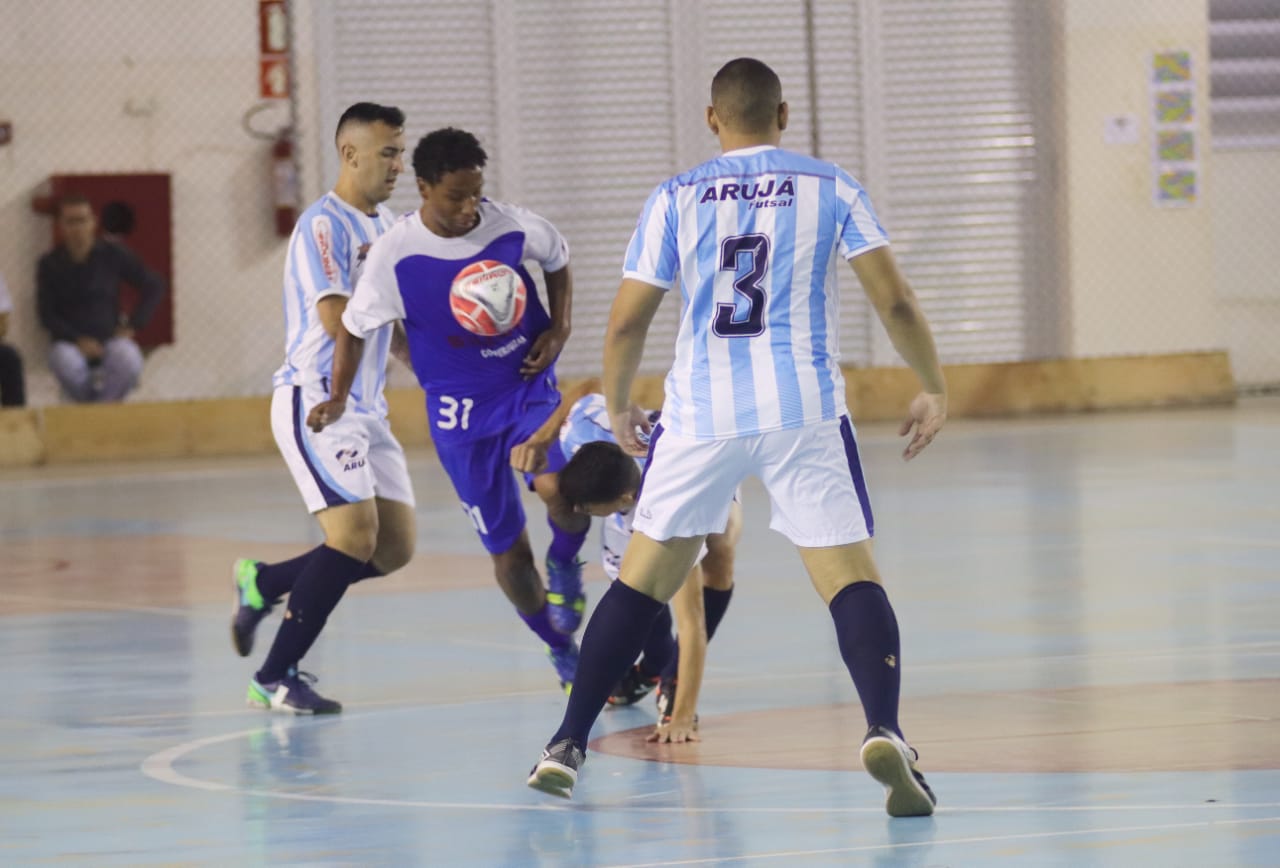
(1174, 149)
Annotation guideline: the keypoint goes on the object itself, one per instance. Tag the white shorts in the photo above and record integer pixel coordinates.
(817, 493)
(354, 459)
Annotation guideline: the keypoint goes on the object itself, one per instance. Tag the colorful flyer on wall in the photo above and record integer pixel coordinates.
(1174, 148)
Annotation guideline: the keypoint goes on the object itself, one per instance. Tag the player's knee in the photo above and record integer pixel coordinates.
(394, 554)
(358, 541)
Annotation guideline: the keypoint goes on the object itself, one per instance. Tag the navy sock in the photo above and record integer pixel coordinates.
(319, 587)
(868, 635)
(660, 646)
(714, 604)
(614, 635)
(276, 580)
(541, 625)
(565, 544)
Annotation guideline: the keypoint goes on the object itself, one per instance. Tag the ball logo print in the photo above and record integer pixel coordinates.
(488, 298)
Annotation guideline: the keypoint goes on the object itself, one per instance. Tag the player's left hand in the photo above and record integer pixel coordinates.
(545, 350)
(927, 414)
(529, 456)
(325, 413)
(675, 732)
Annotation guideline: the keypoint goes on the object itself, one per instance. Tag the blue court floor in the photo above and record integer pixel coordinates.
(1090, 611)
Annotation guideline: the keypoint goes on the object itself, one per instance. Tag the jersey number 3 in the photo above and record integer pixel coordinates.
(728, 323)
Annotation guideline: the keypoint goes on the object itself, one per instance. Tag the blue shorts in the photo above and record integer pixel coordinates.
(481, 473)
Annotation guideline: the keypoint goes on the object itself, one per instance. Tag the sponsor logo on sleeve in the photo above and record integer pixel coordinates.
(322, 234)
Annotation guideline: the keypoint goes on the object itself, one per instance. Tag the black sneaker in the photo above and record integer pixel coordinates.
(248, 608)
(892, 762)
(666, 698)
(557, 771)
(633, 687)
(292, 694)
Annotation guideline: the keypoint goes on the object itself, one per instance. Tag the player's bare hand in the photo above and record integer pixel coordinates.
(674, 732)
(529, 456)
(631, 430)
(90, 348)
(324, 414)
(928, 413)
(545, 350)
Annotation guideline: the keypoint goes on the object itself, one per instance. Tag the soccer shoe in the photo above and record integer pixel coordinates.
(565, 600)
(292, 694)
(892, 762)
(666, 699)
(557, 771)
(565, 660)
(633, 687)
(249, 607)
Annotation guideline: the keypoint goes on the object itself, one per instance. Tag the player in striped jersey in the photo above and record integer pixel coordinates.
(352, 476)
(752, 239)
(602, 480)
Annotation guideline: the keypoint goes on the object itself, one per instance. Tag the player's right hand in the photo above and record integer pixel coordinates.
(628, 426)
(325, 413)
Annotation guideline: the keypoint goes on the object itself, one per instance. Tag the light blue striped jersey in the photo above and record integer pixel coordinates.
(753, 237)
(326, 253)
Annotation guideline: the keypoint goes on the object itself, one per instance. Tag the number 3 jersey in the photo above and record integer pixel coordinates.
(752, 238)
(473, 383)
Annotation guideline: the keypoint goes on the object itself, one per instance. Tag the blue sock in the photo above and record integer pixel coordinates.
(541, 625)
(319, 587)
(276, 580)
(613, 638)
(714, 604)
(868, 635)
(565, 544)
(660, 646)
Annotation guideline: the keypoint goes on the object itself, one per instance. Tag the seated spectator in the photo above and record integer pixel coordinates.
(94, 355)
(13, 391)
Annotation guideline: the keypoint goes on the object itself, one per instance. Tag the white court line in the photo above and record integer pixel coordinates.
(96, 604)
(984, 839)
(159, 766)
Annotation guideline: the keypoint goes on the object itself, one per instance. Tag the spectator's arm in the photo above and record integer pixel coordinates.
(60, 329)
(147, 282)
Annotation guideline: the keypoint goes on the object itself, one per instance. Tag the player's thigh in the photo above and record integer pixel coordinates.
(720, 550)
(688, 485)
(833, 568)
(393, 489)
(658, 568)
(330, 468)
(817, 492)
(481, 473)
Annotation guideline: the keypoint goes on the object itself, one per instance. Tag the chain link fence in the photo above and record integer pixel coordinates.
(1110, 169)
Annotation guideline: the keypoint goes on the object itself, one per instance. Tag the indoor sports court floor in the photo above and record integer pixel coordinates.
(1090, 609)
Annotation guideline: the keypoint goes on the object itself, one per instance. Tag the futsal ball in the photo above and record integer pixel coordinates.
(488, 298)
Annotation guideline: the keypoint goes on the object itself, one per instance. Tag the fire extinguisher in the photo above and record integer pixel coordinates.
(286, 196)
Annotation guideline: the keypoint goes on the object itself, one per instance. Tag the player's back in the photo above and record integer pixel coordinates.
(754, 237)
(326, 252)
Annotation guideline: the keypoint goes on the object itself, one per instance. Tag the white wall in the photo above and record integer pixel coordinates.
(1140, 277)
(155, 86)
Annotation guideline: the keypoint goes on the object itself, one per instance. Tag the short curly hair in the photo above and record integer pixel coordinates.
(447, 150)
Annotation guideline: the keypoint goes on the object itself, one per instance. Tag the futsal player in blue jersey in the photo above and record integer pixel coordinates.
(489, 398)
(353, 477)
(752, 239)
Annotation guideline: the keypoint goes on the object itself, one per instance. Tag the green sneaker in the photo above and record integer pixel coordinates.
(249, 607)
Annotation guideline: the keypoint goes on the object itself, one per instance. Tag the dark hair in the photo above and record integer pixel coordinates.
(746, 94)
(447, 150)
(599, 472)
(368, 113)
(67, 199)
(117, 218)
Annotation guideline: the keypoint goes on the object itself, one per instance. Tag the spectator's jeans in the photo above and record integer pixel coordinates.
(110, 380)
(13, 392)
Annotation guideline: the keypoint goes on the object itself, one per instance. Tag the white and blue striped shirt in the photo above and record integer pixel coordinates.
(753, 238)
(326, 253)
